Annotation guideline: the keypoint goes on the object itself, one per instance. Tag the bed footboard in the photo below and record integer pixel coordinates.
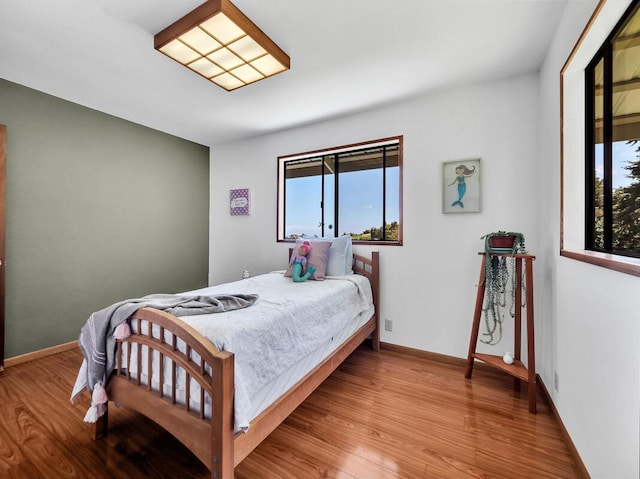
(179, 350)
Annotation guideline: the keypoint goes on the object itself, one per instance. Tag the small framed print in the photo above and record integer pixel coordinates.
(461, 187)
(239, 202)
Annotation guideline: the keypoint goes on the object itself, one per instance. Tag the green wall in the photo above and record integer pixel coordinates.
(99, 209)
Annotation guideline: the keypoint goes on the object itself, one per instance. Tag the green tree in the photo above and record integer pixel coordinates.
(626, 210)
(391, 230)
(598, 227)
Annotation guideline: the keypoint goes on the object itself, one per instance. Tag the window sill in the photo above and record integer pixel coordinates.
(355, 242)
(377, 242)
(622, 264)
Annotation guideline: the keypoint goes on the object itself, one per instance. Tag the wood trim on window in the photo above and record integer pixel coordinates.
(622, 264)
(353, 146)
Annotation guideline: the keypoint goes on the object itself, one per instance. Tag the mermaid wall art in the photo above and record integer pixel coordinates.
(461, 185)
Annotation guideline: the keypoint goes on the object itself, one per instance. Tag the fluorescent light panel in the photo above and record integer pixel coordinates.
(217, 41)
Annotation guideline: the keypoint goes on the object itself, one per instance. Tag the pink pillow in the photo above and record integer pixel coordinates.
(317, 257)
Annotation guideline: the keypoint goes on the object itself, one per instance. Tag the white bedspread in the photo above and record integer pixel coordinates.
(288, 321)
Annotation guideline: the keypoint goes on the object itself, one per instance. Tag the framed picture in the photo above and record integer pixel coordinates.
(239, 202)
(461, 191)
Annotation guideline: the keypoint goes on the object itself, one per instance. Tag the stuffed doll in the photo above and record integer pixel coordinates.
(299, 262)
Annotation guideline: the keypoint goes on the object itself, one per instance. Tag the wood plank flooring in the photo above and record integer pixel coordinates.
(380, 415)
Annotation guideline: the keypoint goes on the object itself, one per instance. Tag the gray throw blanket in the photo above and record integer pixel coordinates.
(97, 339)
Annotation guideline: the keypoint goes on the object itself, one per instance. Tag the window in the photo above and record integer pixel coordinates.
(612, 114)
(354, 190)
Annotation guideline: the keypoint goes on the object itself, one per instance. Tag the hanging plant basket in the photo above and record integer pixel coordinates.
(500, 281)
(504, 242)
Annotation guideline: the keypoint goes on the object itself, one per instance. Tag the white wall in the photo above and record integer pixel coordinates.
(592, 325)
(428, 285)
(587, 321)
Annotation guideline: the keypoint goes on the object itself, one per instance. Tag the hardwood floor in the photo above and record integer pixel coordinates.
(380, 415)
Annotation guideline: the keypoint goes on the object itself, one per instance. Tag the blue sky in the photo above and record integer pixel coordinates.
(360, 202)
(623, 154)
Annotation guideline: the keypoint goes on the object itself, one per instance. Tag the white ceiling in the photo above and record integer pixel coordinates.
(346, 56)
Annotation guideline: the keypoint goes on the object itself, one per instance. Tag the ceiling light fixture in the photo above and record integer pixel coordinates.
(217, 41)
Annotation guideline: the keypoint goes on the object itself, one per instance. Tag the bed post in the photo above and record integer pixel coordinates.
(375, 286)
(101, 426)
(222, 430)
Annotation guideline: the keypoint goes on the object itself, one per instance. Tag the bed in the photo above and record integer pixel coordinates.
(170, 372)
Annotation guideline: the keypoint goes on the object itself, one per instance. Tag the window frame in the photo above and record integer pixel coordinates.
(280, 216)
(604, 56)
(607, 17)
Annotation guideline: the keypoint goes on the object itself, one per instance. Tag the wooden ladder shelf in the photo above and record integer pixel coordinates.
(517, 369)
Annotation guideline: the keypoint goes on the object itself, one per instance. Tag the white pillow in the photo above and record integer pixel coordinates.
(348, 267)
(340, 260)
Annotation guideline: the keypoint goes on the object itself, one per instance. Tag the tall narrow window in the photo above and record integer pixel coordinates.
(352, 190)
(613, 142)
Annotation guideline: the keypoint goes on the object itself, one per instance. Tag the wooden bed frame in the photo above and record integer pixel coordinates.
(212, 439)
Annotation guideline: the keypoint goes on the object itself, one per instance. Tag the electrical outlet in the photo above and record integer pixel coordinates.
(556, 381)
(388, 324)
